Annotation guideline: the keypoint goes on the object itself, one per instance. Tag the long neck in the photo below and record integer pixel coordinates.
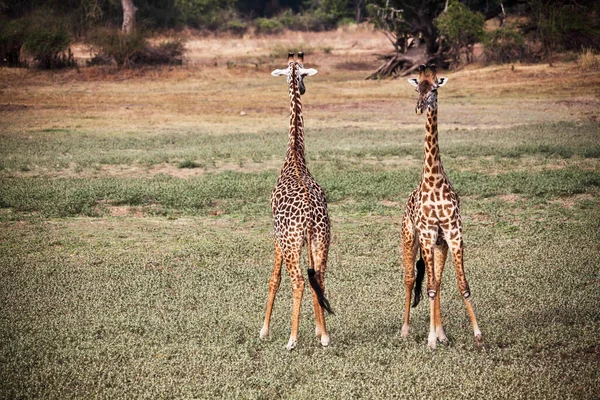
(295, 151)
(432, 164)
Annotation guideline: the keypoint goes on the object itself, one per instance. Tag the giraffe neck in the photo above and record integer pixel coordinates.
(295, 150)
(432, 164)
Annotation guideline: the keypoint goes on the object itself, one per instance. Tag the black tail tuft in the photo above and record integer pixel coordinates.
(419, 281)
(317, 288)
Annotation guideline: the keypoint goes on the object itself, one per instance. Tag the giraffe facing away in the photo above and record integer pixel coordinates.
(432, 221)
(299, 216)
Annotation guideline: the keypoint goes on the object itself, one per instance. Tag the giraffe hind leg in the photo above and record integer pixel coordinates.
(463, 287)
(292, 263)
(316, 279)
(273, 288)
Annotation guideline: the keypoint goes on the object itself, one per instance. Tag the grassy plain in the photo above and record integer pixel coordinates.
(135, 229)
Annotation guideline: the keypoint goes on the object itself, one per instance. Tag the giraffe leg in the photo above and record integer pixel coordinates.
(273, 287)
(409, 253)
(320, 260)
(463, 287)
(292, 264)
(440, 252)
(432, 286)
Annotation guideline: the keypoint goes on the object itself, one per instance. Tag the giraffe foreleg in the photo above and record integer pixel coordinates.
(409, 253)
(456, 247)
(440, 253)
(273, 287)
(427, 241)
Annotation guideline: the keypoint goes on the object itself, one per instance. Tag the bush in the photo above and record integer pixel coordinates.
(589, 61)
(563, 25)
(314, 21)
(268, 26)
(12, 38)
(168, 52)
(42, 36)
(505, 45)
(128, 50)
(49, 46)
(462, 28)
(236, 27)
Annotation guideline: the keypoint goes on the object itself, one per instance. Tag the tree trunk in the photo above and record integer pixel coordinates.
(359, 5)
(129, 10)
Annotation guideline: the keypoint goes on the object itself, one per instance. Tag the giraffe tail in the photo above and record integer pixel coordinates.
(312, 279)
(419, 281)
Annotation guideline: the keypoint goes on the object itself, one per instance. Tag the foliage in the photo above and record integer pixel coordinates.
(401, 19)
(12, 37)
(460, 25)
(589, 60)
(268, 26)
(505, 45)
(128, 50)
(334, 10)
(562, 25)
(47, 41)
(462, 28)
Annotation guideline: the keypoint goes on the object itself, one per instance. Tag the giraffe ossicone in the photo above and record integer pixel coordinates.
(299, 217)
(432, 221)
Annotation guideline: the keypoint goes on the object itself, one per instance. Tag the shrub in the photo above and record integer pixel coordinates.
(120, 47)
(505, 45)
(589, 60)
(563, 25)
(268, 26)
(314, 20)
(49, 46)
(128, 50)
(462, 28)
(236, 27)
(12, 38)
(42, 36)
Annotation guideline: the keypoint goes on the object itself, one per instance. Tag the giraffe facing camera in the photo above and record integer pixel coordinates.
(427, 85)
(432, 222)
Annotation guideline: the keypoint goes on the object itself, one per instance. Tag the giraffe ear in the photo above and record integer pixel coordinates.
(414, 82)
(442, 81)
(307, 72)
(279, 72)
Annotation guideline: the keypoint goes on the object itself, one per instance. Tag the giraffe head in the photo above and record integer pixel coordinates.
(296, 71)
(427, 85)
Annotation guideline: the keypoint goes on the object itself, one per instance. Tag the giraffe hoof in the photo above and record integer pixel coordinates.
(404, 332)
(325, 340)
(432, 340)
(441, 336)
(479, 341)
(264, 332)
(292, 343)
(431, 294)
(466, 294)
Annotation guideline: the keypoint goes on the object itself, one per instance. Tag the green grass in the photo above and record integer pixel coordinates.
(134, 261)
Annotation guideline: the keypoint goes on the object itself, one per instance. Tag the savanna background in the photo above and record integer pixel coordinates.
(136, 165)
